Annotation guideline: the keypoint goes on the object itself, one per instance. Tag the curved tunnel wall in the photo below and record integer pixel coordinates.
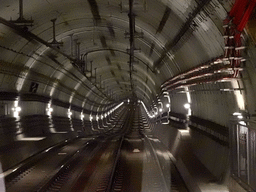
(38, 74)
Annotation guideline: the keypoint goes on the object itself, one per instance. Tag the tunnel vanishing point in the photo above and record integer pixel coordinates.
(139, 72)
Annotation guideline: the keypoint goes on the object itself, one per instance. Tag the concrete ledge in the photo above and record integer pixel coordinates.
(188, 179)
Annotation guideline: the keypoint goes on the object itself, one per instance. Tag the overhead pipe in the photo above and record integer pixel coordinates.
(233, 27)
(201, 69)
(223, 77)
(200, 78)
(54, 41)
(206, 71)
(205, 65)
(21, 20)
(246, 15)
(30, 36)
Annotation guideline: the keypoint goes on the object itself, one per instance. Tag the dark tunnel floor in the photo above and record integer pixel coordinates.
(135, 161)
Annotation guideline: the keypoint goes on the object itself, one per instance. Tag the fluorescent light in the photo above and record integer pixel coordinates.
(49, 109)
(16, 114)
(16, 103)
(187, 106)
(18, 109)
(69, 113)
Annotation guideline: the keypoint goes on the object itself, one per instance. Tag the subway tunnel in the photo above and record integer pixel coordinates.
(127, 95)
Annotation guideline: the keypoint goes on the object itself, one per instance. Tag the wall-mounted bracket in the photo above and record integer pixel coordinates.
(21, 21)
(54, 42)
(135, 50)
(136, 35)
(93, 77)
(139, 5)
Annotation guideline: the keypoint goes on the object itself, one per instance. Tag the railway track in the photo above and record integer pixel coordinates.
(126, 160)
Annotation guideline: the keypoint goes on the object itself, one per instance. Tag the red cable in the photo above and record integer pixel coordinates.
(246, 16)
(237, 6)
(239, 13)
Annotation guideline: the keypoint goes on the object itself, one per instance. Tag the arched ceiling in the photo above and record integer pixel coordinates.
(170, 36)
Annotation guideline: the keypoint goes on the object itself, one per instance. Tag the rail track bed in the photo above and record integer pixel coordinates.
(126, 160)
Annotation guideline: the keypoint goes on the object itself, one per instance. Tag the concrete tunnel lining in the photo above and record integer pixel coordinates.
(171, 37)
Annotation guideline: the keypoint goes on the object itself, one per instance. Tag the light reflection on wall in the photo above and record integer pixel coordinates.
(239, 97)
(189, 100)
(16, 109)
